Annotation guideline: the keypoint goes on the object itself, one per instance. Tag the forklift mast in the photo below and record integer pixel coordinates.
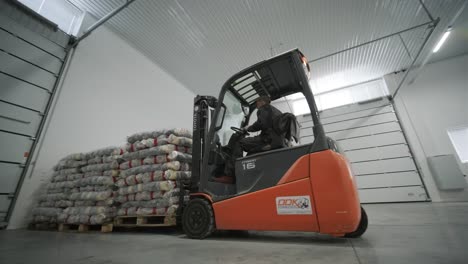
(202, 113)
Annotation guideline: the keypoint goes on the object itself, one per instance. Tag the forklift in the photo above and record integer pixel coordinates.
(308, 188)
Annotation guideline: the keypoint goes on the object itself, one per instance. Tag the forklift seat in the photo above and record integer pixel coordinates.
(287, 126)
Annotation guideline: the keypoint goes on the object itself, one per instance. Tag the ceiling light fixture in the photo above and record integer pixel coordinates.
(442, 40)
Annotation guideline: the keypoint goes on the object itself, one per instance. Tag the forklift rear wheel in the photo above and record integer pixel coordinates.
(198, 219)
(362, 227)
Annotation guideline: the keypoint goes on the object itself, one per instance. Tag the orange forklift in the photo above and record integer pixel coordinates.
(308, 187)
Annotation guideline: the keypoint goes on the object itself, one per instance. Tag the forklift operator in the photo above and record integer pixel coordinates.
(268, 139)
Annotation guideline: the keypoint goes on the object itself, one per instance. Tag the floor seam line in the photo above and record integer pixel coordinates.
(355, 252)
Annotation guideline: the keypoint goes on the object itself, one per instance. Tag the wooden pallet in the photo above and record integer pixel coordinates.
(145, 220)
(82, 228)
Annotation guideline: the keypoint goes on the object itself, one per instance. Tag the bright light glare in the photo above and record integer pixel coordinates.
(441, 41)
(344, 96)
(295, 96)
(328, 82)
(336, 98)
(459, 138)
(300, 107)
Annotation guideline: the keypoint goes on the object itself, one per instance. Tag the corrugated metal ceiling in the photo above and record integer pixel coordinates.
(203, 42)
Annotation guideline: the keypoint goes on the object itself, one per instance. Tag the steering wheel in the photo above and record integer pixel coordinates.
(238, 130)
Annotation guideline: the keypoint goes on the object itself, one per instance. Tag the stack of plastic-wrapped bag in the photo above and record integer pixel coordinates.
(154, 165)
(55, 196)
(93, 196)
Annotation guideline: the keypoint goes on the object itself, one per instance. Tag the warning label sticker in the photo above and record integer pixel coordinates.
(293, 205)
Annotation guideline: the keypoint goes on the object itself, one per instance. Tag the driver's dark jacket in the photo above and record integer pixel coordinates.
(265, 116)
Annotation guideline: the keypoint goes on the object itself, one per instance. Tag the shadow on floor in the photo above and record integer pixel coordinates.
(279, 237)
(247, 236)
(149, 230)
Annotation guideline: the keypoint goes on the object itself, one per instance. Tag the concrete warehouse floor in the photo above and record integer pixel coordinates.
(398, 233)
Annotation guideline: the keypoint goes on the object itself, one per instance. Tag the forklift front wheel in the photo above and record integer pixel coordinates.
(362, 227)
(198, 219)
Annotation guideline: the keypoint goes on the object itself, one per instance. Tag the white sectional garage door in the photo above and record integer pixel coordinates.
(372, 139)
(31, 58)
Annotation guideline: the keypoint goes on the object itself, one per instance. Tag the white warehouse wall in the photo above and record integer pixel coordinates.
(436, 101)
(110, 91)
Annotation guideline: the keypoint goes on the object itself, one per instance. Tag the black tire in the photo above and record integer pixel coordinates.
(198, 219)
(362, 227)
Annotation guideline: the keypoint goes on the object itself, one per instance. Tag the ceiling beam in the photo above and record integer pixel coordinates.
(372, 41)
(100, 22)
(431, 30)
(426, 10)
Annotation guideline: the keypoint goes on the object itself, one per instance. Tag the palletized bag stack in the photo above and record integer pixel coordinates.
(93, 193)
(55, 196)
(154, 167)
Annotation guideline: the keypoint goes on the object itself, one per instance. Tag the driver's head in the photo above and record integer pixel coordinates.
(262, 100)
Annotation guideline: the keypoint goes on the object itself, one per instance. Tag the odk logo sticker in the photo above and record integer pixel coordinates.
(293, 205)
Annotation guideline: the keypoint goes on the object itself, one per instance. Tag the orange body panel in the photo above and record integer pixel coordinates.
(257, 210)
(335, 193)
(324, 176)
(299, 170)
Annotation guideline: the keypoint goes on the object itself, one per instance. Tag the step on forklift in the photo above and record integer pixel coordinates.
(306, 187)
